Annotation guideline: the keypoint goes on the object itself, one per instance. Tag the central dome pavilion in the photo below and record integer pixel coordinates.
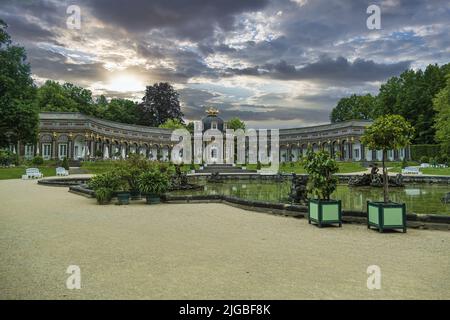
(212, 121)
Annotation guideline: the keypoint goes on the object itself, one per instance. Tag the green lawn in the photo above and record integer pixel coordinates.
(102, 166)
(344, 167)
(97, 167)
(17, 172)
(439, 171)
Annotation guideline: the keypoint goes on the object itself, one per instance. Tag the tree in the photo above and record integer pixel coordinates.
(235, 124)
(19, 116)
(159, 104)
(411, 95)
(321, 167)
(354, 107)
(388, 132)
(52, 96)
(121, 110)
(82, 97)
(173, 124)
(441, 104)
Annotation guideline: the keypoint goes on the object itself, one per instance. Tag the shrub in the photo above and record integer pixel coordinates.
(445, 159)
(258, 165)
(108, 180)
(424, 159)
(130, 169)
(8, 158)
(103, 195)
(321, 167)
(192, 166)
(65, 163)
(38, 161)
(153, 181)
(433, 162)
(98, 153)
(442, 159)
(428, 150)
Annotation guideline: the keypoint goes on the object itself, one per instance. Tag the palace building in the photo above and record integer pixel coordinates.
(81, 137)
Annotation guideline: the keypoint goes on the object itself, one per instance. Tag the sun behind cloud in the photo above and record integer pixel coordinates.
(125, 83)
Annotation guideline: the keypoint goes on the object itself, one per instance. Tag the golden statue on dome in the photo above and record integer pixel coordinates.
(212, 111)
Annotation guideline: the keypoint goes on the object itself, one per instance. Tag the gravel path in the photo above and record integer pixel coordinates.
(201, 251)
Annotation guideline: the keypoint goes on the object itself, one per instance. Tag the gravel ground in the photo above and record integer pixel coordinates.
(201, 251)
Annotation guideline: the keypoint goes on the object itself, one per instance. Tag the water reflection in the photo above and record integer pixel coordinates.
(419, 198)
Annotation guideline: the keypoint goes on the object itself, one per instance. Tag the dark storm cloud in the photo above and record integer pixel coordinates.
(193, 19)
(53, 65)
(327, 69)
(323, 44)
(196, 101)
(24, 30)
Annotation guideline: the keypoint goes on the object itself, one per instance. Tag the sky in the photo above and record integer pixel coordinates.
(272, 63)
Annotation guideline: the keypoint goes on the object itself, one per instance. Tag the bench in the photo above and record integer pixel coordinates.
(411, 170)
(60, 171)
(31, 173)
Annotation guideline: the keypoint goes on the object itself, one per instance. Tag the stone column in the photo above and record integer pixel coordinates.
(69, 149)
(54, 148)
(350, 150)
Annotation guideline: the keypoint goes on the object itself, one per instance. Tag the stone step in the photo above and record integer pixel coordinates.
(222, 165)
(222, 170)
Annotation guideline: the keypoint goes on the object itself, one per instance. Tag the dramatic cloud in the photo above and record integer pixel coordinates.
(328, 69)
(271, 62)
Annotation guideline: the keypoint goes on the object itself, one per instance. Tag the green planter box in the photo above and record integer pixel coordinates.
(135, 195)
(152, 198)
(123, 198)
(386, 215)
(325, 212)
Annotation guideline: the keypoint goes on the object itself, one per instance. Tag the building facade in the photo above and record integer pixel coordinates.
(81, 137)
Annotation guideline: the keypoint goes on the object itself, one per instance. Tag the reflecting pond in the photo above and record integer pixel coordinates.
(419, 198)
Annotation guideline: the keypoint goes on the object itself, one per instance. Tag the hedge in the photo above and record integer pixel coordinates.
(427, 150)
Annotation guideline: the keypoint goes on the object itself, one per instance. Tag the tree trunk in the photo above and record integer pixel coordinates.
(385, 179)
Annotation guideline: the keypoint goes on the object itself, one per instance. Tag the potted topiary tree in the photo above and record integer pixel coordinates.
(388, 132)
(320, 167)
(153, 183)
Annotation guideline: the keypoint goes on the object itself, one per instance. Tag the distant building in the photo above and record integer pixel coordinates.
(81, 137)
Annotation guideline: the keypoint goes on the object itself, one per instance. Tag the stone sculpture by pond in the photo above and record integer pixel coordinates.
(299, 191)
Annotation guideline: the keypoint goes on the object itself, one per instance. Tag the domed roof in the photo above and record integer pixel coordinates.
(212, 121)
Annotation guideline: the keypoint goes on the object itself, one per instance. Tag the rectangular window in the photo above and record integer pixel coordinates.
(62, 151)
(29, 149)
(46, 151)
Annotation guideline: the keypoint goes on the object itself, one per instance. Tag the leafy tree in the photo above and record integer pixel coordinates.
(82, 98)
(235, 124)
(321, 167)
(19, 116)
(354, 107)
(387, 133)
(441, 104)
(159, 104)
(173, 124)
(121, 110)
(411, 95)
(52, 96)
